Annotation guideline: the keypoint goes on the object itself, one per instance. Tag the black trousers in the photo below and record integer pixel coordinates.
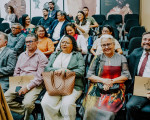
(134, 105)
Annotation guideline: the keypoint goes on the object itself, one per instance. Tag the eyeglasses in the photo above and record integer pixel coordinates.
(30, 42)
(14, 28)
(65, 43)
(108, 45)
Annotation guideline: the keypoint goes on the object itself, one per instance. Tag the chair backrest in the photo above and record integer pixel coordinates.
(1, 19)
(116, 32)
(131, 16)
(134, 43)
(110, 22)
(131, 23)
(4, 26)
(20, 20)
(136, 31)
(116, 17)
(35, 20)
(99, 18)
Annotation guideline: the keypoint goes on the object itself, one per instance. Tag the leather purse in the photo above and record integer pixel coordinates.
(59, 85)
(112, 89)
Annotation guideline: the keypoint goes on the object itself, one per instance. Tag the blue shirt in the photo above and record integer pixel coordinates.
(46, 23)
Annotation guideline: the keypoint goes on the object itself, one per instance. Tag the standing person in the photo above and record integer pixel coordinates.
(70, 29)
(83, 26)
(52, 12)
(10, 17)
(27, 26)
(30, 62)
(46, 21)
(16, 40)
(93, 23)
(139, 65)
(56, 30)
(44, 43)
(97, 49)
(8, 59)
(68, 59)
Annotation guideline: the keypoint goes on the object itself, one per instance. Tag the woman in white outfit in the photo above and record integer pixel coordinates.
(68, 59)
(70, 29)
(82, 25)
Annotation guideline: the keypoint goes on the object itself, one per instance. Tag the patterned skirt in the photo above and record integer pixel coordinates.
(108, 102)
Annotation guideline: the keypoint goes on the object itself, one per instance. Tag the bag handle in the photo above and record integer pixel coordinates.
(63, 81)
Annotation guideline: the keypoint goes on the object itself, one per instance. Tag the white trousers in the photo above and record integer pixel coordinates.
(60, 107)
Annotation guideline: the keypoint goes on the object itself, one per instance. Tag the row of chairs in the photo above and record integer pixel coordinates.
(117, 18)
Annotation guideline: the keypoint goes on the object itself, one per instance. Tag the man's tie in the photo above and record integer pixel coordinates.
(143, 64)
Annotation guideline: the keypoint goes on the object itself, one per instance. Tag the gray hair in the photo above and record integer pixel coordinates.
(62, 13)
(18, 24)
(33, 35)
(106, 36)
(5, 36)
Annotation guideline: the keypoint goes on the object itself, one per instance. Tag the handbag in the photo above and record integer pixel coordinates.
(59, 85)
(112, 89)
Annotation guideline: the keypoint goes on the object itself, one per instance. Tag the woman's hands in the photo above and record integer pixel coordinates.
(107, 84)
(59, 72)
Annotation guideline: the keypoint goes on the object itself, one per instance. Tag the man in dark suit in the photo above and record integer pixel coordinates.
(57, 28)
(8, 60)
(139, 65)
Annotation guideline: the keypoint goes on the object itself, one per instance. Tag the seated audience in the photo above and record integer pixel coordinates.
(70, 29)
(97, 49)
(106, 71)
(10, 17)
(57, 28)
(139, 65)
(16, 40)
(30, 62)
(44, 43)
(83, 26)
(27, 26)
(51, 11)
(91, 20)
(46, 21)
(69, 59)
(8, 59)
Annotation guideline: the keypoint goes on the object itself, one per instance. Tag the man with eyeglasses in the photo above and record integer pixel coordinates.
(16, 40)
(30, 62)
(8, 59)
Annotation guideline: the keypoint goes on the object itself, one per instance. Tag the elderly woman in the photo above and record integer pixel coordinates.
(70, 29)
(107, 74)
(97, 49)
(45, 44)
(64, 107)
